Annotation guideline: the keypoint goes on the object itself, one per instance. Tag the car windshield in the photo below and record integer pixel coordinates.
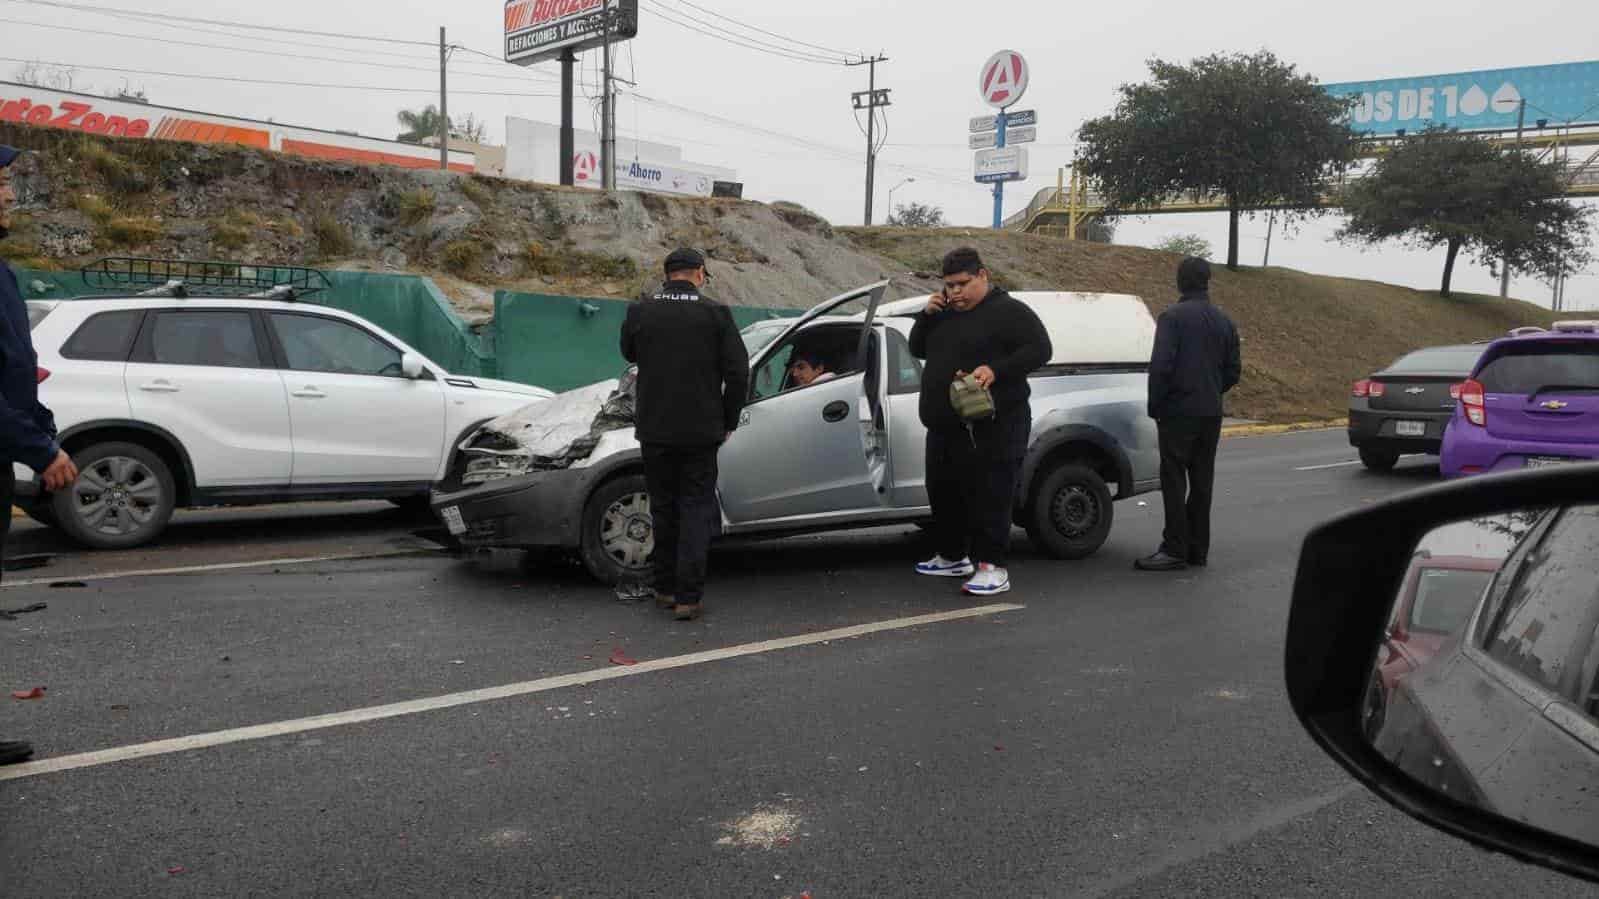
(1445, 598)
(758, 335)
(1443, 359)
(1562, 366)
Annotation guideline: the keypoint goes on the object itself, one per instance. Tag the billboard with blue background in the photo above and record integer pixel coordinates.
(1474, 101)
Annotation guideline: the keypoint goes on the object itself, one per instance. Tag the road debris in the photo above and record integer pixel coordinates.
(620, 657)
(11, 614)
(35, 693)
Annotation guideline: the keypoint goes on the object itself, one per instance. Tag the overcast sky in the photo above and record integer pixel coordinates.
(1079, 54)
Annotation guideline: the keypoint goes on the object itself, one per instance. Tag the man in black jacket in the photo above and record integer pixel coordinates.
(973, 469)
(27, 429)
(1195, 361)
(693, 374)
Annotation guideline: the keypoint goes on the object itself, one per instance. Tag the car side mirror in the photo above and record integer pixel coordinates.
(411, 366)
(1483, 726)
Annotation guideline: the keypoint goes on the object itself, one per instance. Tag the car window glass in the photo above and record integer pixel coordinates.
(315, 343)
(1522, 370)
(769, 378)
(1445, 599)
(224, 339)
(1547, 620)
(106, 337)
(1438, 359)
(37, 312)
(904, 370)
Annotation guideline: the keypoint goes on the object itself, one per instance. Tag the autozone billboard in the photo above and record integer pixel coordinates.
(537, 30)
(23, 104)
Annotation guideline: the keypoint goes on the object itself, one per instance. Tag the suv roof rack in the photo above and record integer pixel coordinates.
(1527, 329)
(183, 278)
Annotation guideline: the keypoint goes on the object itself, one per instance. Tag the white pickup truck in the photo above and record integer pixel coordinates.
(846, 452)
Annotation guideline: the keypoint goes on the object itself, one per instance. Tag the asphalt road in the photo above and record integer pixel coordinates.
(1119, 735)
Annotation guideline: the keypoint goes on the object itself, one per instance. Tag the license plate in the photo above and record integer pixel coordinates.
(453, 520)
(1542, 461)
(1411, 428)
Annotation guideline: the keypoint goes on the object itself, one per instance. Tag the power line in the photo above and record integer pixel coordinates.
(193, 76)
(734, 21)
(277, 54)
(746, 43)
(149, 15)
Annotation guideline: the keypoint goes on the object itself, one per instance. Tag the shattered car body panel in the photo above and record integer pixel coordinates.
(550, 435)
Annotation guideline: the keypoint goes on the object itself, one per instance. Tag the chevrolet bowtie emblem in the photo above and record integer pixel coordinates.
(1415, 391)
(1555, 404)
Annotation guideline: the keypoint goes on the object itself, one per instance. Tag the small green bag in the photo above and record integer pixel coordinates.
(971, 400)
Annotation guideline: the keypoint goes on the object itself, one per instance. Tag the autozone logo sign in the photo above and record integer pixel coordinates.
(523, 14)
(73, 115)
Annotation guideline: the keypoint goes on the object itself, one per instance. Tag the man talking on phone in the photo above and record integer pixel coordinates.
(975, 328)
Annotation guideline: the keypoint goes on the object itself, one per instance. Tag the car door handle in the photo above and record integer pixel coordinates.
(160, 385)
(835, 411)
(310, 392)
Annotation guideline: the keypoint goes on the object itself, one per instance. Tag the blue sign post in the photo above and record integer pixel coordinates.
(999, 186)
(1566, 94)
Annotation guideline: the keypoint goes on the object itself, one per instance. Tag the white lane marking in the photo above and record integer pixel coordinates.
(1331, 465)
(220, 566)
(472, 697)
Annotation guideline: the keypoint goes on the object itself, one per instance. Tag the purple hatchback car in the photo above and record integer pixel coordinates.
(1533, 399)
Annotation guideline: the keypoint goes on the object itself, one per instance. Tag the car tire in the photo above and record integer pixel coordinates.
(142, 497)
(618, 535)
(1373, 709)
(1070, 514)
(1378, 460)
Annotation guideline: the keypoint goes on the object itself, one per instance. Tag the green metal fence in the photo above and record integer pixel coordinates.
(556, 342)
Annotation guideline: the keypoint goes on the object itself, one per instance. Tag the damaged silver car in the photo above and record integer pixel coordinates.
(846, 452)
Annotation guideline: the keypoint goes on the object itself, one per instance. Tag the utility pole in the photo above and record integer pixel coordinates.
(444, 103)
(870, 100)
(1504, 264)
(607, 119)
(568, 137)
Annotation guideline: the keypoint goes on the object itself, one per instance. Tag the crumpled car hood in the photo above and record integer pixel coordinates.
(564, 428)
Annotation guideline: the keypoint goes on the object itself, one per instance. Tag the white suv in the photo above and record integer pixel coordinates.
(168, 403)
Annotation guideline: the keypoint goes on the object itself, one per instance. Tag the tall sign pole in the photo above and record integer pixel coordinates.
(568, 133)
(1002, 83)
(444, 103)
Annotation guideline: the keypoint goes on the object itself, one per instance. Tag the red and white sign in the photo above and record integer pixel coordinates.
(586, 167)
(43, 108)
(1004, 79)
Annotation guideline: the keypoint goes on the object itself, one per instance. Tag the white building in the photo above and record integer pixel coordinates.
(533, 153)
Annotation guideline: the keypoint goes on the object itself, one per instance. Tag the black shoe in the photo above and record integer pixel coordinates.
(13, 752)
(1161, 561)
(1198, 561)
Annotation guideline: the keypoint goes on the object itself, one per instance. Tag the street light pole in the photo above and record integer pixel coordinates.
(891, 194)
(1504, 264)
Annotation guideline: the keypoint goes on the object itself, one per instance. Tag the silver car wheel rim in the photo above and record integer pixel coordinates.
(117, 496)
(1074, 510)
(627, 534)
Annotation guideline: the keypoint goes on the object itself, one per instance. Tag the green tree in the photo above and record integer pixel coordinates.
(1442, 188)
(917, 215)
(1185, 245)
(1248, 129)
(419, 124)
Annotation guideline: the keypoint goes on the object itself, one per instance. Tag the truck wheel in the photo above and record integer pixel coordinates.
(1070, 514)
(618, 535)
(1378, 460)
(124, 497)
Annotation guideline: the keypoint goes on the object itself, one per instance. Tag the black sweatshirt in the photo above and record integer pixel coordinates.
(1000, 332)
(693, 370)
(1195, 360)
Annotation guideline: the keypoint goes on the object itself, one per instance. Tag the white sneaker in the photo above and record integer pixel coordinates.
(938, 566)
(988, 581)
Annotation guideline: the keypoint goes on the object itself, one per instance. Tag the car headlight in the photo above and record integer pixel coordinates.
(484, 465)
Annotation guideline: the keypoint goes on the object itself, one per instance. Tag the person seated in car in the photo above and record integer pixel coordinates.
(807, 368)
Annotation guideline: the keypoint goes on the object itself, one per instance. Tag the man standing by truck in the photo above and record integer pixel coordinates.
(27, 429)
(1195, 361)
(973, 467)
(693, 375)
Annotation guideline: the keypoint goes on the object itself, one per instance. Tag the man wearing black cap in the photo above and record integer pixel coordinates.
(27, 429)
(693, 374)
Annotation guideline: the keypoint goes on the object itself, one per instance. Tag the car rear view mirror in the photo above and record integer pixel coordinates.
(1444, 648)
(411, 366)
